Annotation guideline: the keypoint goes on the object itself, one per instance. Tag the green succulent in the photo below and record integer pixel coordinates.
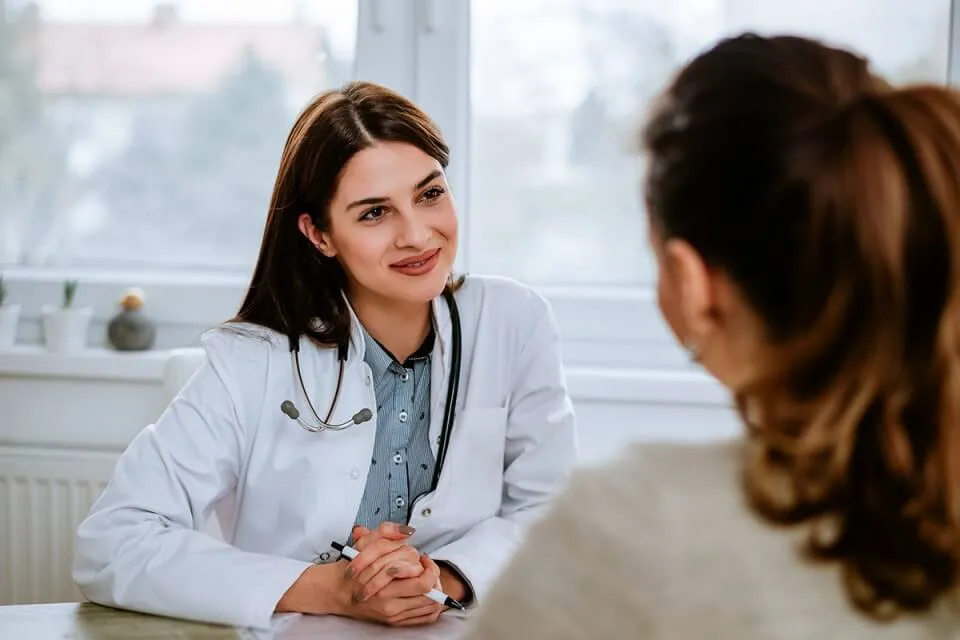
(69, 291)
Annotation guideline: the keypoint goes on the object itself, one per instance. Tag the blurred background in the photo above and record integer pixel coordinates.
(137, 134)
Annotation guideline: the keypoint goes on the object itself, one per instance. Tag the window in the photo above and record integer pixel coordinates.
(142, 134)
(558, 87)
(139, 139)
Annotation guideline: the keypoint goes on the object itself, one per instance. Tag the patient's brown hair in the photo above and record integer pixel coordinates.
(833, 201)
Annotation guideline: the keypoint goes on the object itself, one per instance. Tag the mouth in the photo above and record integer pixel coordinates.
(418, 265)
(416, 261)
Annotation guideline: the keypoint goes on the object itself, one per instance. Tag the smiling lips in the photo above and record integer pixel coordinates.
(418, 265)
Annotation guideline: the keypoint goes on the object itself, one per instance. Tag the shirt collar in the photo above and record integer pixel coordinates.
(380, 359)
(441, 331)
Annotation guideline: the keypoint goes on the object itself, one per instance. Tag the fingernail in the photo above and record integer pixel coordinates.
(407, 530)
(349, 573)
(392, 571)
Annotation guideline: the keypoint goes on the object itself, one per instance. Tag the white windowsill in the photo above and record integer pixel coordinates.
(585, 384)
(101, 364)
(584, 313)
(645, 387)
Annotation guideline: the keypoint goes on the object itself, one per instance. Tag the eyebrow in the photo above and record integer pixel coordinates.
(436, 173)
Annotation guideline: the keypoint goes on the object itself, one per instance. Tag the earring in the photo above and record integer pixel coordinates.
(693, 349)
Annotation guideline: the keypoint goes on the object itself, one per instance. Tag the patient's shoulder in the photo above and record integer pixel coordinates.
(602, 560)
(629, 487)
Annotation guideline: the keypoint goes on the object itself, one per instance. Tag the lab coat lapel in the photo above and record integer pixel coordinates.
(439, 369)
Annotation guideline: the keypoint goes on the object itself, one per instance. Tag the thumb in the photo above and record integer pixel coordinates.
(394, 531)
(429, 564)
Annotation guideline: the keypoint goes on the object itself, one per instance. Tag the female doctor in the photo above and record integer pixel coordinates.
(362, 395)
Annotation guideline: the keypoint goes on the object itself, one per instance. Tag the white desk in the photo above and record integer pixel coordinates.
(91, 622)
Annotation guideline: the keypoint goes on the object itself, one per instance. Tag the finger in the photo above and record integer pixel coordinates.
(359, 532)
(406, 588)
(387, 569)
(431, 573)
(394, 574)
(395, 607)
(418, 616)
(393, 530)
(401, 555)
(371, 552)
(389, 530)
(430, 567)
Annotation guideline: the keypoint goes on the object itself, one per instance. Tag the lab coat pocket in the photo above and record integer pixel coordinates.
(471, 484)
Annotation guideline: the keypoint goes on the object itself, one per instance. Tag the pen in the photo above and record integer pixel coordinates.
(436, 595)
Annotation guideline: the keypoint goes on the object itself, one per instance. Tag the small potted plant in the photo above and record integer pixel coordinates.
(65, 327)
(9, 316)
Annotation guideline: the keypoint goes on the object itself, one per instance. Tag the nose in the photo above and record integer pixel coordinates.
(414, 230)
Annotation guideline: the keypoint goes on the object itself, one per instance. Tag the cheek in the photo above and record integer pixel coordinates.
(448, 225)
(362, 254)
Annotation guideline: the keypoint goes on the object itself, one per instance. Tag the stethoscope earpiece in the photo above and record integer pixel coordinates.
(290, 410)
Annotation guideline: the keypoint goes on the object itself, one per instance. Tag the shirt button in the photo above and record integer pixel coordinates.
(397, 458)
(399, 501)
(404, 376)
(355, 473)
(403, 416)
(426, 513)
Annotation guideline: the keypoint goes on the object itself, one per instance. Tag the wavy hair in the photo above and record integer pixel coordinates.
(832, 200)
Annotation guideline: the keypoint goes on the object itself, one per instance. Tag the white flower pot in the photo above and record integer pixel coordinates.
(9, 317)
(65, 330)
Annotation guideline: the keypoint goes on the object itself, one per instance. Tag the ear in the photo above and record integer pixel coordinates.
(320, 239)
(697, 295)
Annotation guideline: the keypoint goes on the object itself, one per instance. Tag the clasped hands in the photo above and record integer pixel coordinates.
(386, 582)
(388, 579)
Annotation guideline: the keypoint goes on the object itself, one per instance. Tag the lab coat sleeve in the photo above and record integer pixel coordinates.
(141, 546)
(539, 454)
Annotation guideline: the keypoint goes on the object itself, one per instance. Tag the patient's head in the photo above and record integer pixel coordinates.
(806, 219)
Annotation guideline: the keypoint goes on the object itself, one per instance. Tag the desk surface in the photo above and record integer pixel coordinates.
(86, 621)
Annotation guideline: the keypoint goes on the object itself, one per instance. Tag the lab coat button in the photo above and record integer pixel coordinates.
(324, 556)
(355, 473)
(426, 513)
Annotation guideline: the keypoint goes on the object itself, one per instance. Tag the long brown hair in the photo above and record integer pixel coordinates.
(295, 289)
(833, 201)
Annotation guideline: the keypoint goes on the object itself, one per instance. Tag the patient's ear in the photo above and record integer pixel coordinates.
(694, 291)
(320, 239)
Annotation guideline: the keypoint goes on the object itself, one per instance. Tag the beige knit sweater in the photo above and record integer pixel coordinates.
(661, 545)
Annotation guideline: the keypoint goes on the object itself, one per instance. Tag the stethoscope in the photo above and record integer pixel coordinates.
(453, 383)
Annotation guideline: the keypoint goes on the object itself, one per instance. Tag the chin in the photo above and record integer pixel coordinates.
(419, 289)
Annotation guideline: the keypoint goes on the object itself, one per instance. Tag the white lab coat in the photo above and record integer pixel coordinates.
(281, 494)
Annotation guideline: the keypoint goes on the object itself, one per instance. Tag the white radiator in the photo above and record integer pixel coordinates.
(44, 494)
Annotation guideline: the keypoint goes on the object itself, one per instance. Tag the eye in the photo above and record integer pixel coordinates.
(433, 193)
(374, 214)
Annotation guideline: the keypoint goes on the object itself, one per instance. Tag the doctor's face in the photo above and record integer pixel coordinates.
(393, 224)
